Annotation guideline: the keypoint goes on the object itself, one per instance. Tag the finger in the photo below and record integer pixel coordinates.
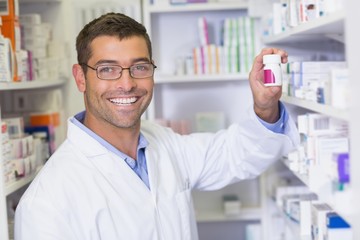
(275, 90)
(258, 62)
(284, 55)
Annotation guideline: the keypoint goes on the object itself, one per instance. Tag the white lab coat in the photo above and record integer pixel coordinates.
(87, 192)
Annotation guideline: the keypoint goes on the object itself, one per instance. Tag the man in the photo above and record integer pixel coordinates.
(117, 177)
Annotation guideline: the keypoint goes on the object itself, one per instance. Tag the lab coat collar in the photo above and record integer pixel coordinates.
(90, 147)
(104, 160)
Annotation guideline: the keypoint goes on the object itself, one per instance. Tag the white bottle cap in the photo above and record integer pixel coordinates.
(271, 58)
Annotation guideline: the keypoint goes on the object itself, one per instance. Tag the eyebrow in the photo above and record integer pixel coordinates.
(134, 61)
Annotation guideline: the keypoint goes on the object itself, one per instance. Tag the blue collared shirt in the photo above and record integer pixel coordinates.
(279, 126)
(139, 166)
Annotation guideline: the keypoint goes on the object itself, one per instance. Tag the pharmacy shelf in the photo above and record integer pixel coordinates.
(294, 227)
(302, 177)
(319, 183)
(317, 107)
(246, 214)
(37, 84)
(199, 78)
(330, 26)
(40, 1)
(16, 185)
(195, 7)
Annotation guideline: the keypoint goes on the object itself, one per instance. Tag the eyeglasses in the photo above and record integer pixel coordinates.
(113, 72)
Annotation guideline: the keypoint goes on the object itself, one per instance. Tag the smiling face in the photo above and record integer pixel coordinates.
(115, 103)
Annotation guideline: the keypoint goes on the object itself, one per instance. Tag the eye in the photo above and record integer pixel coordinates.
(106, 69)
(141, 67)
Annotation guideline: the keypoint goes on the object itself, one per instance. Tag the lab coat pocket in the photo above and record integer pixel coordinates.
(185, 207)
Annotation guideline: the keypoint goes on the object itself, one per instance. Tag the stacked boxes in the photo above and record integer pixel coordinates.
(237, 48)
(316, 219)
(314, 81)
(18, 158)
(11, 28)
(36, 56)
(22, 153)
(6, 152)
(287, 14)
(337, 228)
(10, 20)
(35, 38)
(6, 59)
(325, 145)
(47, 56)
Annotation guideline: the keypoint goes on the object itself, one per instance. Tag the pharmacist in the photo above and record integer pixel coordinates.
(117, 177)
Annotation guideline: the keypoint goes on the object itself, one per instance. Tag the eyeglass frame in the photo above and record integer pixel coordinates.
(122, 68)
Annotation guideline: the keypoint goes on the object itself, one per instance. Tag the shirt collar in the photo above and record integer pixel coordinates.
(78, 120)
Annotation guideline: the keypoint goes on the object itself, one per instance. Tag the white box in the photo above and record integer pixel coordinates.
(32, 31)
(326, 146)
(339, 233)
(316, 66)
(340, 88)
(232, 208)
(232, 205)
(15, 126)
(318, 219)
(30, 19)
(305, 213)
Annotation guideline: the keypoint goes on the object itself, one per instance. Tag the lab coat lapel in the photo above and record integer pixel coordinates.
(112, 167)
(152, 167)
(120, 175)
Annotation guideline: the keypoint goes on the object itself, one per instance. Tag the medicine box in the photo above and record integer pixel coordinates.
(9, 9)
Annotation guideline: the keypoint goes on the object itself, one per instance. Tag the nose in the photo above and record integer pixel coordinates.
(126, 81)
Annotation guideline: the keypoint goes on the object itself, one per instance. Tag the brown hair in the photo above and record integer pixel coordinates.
(110, 24)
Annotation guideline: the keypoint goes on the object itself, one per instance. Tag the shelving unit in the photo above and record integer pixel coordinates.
(317, 107)
(340, 201)
(51, 11)
(166, 7)
(331, 26)
(293, 228)
(247, 214)
(40, 1)
(161, 79)
(21, 182)
(160, 20)
(322, 29)
(182, 33)
(334, 26)
(352, 54)
(174, 31)
(38, 84)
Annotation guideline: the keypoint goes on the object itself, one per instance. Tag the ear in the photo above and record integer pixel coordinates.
(79, 77)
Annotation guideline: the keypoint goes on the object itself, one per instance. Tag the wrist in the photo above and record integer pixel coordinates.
(269, 115)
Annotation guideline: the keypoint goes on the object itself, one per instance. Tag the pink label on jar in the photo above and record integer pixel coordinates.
(269, 76)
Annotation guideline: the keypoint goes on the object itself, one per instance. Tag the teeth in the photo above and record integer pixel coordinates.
(123, 100)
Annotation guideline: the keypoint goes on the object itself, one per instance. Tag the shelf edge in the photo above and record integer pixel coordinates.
(193, 7)
(246, 214)
(37, 84)
(16, 185)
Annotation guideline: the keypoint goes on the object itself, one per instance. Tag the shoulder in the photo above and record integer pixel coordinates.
(151, 128)
(57, 172)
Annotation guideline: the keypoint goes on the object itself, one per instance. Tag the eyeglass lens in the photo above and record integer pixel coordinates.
(136, 71)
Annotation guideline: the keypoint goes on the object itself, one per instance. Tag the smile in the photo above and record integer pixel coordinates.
(123, 101)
